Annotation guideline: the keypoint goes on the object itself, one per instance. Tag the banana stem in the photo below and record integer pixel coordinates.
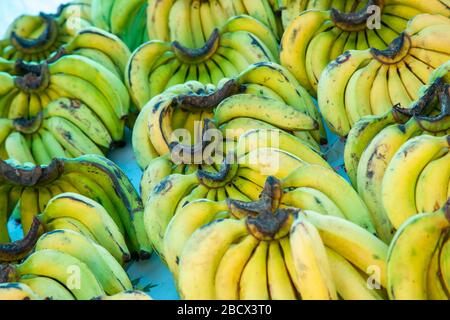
(39, 175)
(16, 251)
(440, 122)
(354, 21)
(28, 126)
(8, 273)
(397, 50)
(31, 77)
(207, 102)
(198, 55)
(43, 42)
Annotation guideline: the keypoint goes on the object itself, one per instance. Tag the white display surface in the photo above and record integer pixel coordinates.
(152, 273)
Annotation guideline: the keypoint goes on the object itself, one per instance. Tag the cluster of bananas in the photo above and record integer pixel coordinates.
(192, 22)
(315, 38)
(158, 65)
(89, 194)
(36, 38)
(64, 264)
(399, 161)
(271, 249)
(263, 96)
(367, 82)
(125, 18)
(66, 108)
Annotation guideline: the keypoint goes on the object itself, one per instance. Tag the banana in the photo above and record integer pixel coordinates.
(317, 57)
(187, 220)
(17, 291)
(101, 13)
(157, 170)
(38, 150)
(432, 38)
(364, 250)
(196, 24)
(230, 268)
(350, 284)
(313, 200)
(372, 168)
(265, 109)
(294, 44)
(247, 44)
(51, 144)
(397, 91)
(93, 216)
(336, 76)
(71, 137)
(84, 249)
(311, 263)
(19, 106)
(253, 282)
(320, 178)
(70, 224)
(359, 138)
(407, 268)
(399, 182)
(179, 23)
(62, 267)
(47, 288)
(29, 208)
(17, 148)
(432, 184)
(139, 67)
(157, 19)
(280, 284)
(202, 255)
(255, 27)
(159, 211)
(419, 68)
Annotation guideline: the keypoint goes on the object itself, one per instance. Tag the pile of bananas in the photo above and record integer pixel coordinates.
(191, 22)
(157, 65)
(315, 38)
(371, 81)
(64, 264)
(237, 198)
(89, 194)
(263, 96)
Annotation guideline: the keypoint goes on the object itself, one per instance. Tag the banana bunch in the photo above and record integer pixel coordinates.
(235, 106)
(403, 143)
(82, 106)
(125, 18)
(36, 38)
(192, 22)
(421, 274)
(274, 251)
(365, 129)
(370, 82)
(89, 194)
(158, 65)
(316, 38)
